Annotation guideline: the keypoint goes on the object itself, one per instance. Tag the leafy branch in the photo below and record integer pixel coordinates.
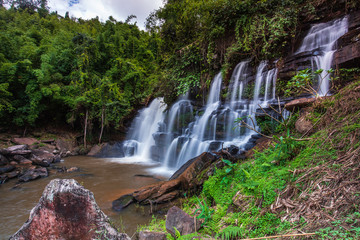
(284, 122)
(303, 82)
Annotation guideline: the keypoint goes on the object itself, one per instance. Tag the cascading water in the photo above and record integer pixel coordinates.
(321, 40)
(215, 127)
(195, 142)
(147, 123)
(175, 136)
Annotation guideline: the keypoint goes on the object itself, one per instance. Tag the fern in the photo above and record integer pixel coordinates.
(231, 232)
(215, 222)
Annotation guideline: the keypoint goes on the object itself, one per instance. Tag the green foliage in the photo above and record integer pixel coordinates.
(155, 225)
(201, 36)
(54, 68)
(178, 236)
(305, 81)
(230, 232)
(267, 125)
(337, 231)
(262, 34)
(205, 211)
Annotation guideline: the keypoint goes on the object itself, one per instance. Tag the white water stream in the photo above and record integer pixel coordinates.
(321, 40)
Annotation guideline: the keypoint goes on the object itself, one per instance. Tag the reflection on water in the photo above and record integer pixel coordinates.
(106, 178)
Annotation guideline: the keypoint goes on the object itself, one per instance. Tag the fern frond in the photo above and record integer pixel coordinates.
(230, 232)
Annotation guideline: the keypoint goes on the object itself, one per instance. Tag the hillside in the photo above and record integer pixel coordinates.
(296, 183)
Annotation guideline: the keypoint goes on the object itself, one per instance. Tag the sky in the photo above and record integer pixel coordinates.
(119, 9)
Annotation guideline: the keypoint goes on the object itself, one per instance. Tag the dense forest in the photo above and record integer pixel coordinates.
(89, 76)
(87, 73)
(61, 70)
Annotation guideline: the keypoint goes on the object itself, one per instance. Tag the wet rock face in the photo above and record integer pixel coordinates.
(6, 169)
(66, 210)
(348, 53)
(32, 174)
(3, 160)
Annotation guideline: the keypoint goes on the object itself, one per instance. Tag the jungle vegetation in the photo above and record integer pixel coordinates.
(91, 75)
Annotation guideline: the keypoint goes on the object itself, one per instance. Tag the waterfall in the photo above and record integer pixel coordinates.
(214, 126)
(237, 83)
(194, 143)
(140, 138)
(321, 40)
(175, 136)
(184, 131)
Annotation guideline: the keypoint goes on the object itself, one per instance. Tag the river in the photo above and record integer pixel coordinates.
(106, 178)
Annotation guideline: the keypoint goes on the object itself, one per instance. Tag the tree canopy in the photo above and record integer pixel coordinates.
(57, 69)
(82, 72)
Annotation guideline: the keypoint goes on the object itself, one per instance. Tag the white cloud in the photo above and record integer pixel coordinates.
(119, 9)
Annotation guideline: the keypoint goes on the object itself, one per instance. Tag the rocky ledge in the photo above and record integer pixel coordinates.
(25, 164)
(66, 210)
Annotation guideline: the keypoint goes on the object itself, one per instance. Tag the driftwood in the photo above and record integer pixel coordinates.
(281, 236)
(184, 180)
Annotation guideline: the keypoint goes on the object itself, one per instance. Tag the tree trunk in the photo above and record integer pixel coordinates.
(85, 128)
(102, 123)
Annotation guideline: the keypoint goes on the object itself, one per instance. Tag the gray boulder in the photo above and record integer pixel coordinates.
(183, 222)
(145, 235)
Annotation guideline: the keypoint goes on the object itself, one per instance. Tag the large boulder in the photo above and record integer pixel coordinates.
(183, 222)
(16, 150)
(122, 202)
(115, 149)
(66, 210)
(21, 160)
(42, 157)
(64, 146)
(96, 149)
(303, 124)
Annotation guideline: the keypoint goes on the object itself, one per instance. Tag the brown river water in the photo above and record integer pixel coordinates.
(106, 178)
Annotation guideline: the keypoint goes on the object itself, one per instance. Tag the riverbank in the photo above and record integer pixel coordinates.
(105, 178)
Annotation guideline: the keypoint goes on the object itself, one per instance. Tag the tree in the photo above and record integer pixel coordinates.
(32, 5)
(129, 18)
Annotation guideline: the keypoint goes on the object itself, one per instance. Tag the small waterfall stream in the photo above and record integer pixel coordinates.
(140, 139)
(321, 40)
